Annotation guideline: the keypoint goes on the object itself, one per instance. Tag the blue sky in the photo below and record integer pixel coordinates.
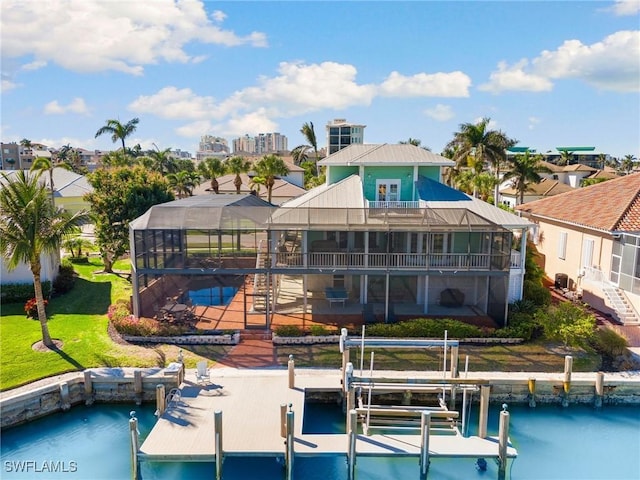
(548, 73)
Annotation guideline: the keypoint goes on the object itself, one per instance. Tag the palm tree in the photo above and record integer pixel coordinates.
(602, 160)
(161, 160)
(45, 164)
(237, 165)
(566, 157)
(117, 158)
(118, 131)
(416, 142)
(31, 227)
(483, 144)
(269, 168)
(309, 134)
(525, 169)
(627, 164)
(210, 169)
(299, 154)
(182, 183)
(26, 143)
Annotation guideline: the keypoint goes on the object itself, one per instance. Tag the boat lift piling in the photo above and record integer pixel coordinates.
(599, 387)
(532, 392)
(425, 427)
(217, 425)
(289, 450)
(134, 446)
(352, 429)
(503, 442)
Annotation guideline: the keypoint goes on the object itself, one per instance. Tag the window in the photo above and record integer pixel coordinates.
(338, 281)
(562, 245)
(587, 252)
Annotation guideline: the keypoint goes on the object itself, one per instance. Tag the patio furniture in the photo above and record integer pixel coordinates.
(202, 372)
(336, 295)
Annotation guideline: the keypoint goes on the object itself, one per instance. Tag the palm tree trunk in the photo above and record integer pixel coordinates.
(53, 201)
(42, 314)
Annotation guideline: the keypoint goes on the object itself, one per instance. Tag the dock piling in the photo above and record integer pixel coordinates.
(88, 388)
(484, 410)
(503, 441)
(351, 454)
(135, 445)
(217, 425)
(599, 389)
(566, 384)
(532, 392)
(289, 450)
(65, 402)
(425, 427)
(160, 400)
(292, 374)
(137, 385)
(283, 420)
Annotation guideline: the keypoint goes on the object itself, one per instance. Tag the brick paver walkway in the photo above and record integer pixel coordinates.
(250, 353)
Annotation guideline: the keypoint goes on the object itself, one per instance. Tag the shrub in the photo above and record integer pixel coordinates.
(537, 293)
(609, 343)
(319, 330)
(426, 327)
(521, 325)
(31, 307)
(21, 292)
(65, 280)
(289, 331)
(569, 323)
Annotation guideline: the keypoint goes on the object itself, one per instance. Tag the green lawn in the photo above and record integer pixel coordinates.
(79, 319)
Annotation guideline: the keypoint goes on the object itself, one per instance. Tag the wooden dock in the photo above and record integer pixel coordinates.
(251, 401)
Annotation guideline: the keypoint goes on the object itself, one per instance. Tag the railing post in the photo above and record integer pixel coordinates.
(425, 427)
(217, 422)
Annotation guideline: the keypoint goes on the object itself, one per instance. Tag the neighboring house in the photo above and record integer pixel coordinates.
(590, 241)
(382, 232)
(69, 188)
(535, 191)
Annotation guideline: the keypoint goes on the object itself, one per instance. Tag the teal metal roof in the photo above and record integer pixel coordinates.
(575, 149)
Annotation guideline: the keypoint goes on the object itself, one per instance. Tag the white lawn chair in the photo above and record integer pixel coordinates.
(202, 373)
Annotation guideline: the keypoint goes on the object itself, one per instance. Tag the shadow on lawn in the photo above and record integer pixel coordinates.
(86, 298)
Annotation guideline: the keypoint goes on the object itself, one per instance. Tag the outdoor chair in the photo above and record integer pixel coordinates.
(202, 373)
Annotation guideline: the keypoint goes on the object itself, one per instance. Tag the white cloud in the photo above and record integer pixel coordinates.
(219, 16)
(626, 7)
(7, 85)
(174, 103)
(533, 121)
(611, 64)
(37, 65)
(77, 105)
(98, 35)
(440, 112)
(515, 78)
(453, 84)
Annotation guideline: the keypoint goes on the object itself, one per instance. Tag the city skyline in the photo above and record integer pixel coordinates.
(404, 69)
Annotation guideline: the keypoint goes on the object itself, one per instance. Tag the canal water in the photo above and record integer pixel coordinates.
(92, 443)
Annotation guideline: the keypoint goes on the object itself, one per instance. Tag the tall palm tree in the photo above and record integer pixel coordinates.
(309, 134)
(26, 143)
(485, 145)
(628, 163)
(30, 227)
(45, 164)
(118, 131)
(161, 160)
(210, 169)
(525, 170)
(269, 168)
(237, 165)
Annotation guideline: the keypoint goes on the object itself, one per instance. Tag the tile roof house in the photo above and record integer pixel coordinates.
(590, 240)
(383, 232)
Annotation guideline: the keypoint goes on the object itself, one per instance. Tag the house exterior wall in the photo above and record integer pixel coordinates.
(432, 173)
(338, 172)
(401, 173)
(22, 273)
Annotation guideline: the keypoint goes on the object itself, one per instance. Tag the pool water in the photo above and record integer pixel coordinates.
(577, 442)
(213, 296)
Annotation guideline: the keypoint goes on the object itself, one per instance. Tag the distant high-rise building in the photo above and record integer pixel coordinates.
(211, 146)
(341, 134)
(263, 143)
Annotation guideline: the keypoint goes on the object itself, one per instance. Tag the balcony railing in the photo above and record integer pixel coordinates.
(396, 205)
(395, 261)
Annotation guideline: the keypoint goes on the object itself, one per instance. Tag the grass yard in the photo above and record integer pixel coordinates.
(530, 357)
(79, 319)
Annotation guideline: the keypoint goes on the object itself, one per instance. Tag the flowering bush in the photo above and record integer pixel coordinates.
(31, 307)
(128, 324)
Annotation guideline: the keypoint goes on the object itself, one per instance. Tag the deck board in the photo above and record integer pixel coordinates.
(251, 424)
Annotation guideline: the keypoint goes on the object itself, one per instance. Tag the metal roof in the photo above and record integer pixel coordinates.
(385, 154)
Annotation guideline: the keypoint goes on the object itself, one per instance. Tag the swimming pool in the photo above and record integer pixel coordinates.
(213, 296)
(577, 442)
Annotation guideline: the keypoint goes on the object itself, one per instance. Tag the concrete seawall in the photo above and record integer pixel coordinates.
(111, 385)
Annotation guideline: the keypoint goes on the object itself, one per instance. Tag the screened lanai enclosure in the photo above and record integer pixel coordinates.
(382, 263)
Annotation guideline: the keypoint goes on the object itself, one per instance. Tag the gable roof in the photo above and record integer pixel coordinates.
(611, 206)
(65, 182)
(545, 187)
(385, 154)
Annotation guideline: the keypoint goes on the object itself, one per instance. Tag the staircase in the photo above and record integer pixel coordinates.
(260, 287)
(625, 313)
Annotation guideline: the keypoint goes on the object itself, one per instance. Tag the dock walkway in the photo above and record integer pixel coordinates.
(250, 404)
